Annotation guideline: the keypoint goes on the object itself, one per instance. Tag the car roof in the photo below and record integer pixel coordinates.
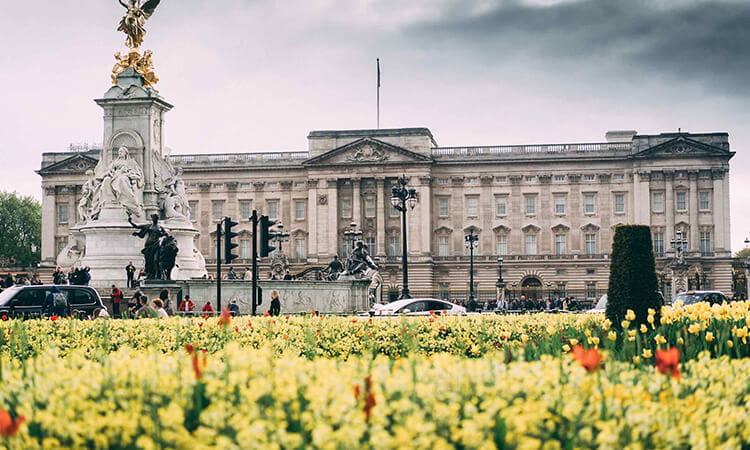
(700, 292)
(399, 303)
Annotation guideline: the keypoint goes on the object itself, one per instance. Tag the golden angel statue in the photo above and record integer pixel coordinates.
(132, 23)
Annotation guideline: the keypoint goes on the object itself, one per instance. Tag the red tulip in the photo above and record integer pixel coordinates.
(668, 362)
(8, 425)
(589, 359)
(225, 318)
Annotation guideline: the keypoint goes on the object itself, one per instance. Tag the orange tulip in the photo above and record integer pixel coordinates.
(589, 359)
(668, 362)
(8, 425)
(225, 318)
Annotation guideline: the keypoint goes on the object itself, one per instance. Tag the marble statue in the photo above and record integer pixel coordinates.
(122, 183)
(89, 205)
(71, 254)
(153, 233)
(359, 261)
(279, 264)
(170, 187)
(134, 20)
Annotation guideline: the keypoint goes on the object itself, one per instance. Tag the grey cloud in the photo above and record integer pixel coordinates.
(699, 41)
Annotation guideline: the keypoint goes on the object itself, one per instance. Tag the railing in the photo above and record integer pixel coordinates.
(240, 158)
(480, 258)
(533, 148)
(83, 146)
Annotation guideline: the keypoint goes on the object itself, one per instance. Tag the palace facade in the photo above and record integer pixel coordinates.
(548, 210)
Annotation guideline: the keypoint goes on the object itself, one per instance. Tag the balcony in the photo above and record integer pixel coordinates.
(510, 151)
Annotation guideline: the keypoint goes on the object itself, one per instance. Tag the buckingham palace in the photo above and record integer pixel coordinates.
(548, 210)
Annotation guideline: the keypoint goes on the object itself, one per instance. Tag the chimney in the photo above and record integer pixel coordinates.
(620, 136)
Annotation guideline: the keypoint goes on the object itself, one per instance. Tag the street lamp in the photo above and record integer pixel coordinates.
(513, 289)
(400, 198)
(351, 236)
(471, 242)
(500, 286)
(549, 291)
(280, 235)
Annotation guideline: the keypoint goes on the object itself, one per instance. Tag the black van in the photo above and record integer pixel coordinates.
(26, 301)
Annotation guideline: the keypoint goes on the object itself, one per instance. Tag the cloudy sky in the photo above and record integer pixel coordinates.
(258, 75)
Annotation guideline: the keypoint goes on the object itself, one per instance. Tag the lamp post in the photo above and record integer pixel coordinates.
(513, 289)
(280, 236)
(549, 291)
(400, 198)
(500, 285)
(352, 235)
(471, 242)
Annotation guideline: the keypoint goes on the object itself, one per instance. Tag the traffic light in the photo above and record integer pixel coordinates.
(266, 235)
(228, 244)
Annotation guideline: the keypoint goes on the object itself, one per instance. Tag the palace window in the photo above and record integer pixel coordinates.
(531, 204)
(501, 179)
(591, 290)
(619, 176)
(704, 200)
(272, 186)
(530, 244)
(372, 246)
(443, 246)
(273, 209)
(62, 214)
(193, 211)
(394, 247)
(705, 242)
(369, 207)
(530, 179)
(300, 251)
(472, 180)
(588, 177)
(619, 203)
(245, 249)
(501, 206)
(443, 205)
(299, 210)
(659, 244)
(589, 203)
(444, 180)
(559, 177)
(346, 208)
(472, 206)
(559, 204)
(657, 202)
(246, 209)
(217, 208)
(590, 243)
(561, 244)
(680, 200)
(501, 242)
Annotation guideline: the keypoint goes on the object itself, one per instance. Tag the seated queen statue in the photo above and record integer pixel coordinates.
(123, 183)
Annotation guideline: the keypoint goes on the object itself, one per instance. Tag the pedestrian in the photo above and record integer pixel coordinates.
(234, 308)
(275, 309)
(186, 305)
(134, 304)
(56, 303)
(287, 276)
(35, 280)
(248, 275)
(117, 297)
(159, 308)
(145, 311)
(130, 272)
(100, 313)
(231, 275)
(141, 277)
(208, 308)
(164, 296)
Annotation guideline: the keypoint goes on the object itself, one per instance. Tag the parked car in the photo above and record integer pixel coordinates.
(601, 305)
(26, 301)
(712, 297)
(417, 307)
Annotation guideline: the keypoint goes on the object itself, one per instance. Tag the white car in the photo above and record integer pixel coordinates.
(417, 307)
(601, 305)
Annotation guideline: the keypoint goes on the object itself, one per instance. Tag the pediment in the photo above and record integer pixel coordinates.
(443, 230)
(78, 163)
(560, 228)
(591, 227)
(683, 145)
(501, 229)
(367, 151)
(530, 228)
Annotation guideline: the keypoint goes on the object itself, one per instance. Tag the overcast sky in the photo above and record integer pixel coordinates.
(258, 75)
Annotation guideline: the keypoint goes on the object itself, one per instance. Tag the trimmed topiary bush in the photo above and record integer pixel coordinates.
(632, 275)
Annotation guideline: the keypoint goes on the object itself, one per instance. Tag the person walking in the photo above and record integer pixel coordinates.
(56, 303)
(275, 309)
(130, 272)
(231, 275)
(117, 297)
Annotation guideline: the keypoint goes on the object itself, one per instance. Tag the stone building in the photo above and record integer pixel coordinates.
(548, 210)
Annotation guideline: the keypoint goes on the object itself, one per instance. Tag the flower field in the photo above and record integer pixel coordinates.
(531, 381)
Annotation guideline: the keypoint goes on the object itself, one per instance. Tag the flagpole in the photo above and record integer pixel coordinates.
(378, 96)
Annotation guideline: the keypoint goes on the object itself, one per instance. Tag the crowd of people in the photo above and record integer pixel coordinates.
(9, 280)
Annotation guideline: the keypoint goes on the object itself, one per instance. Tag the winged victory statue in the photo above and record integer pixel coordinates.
(134, 20)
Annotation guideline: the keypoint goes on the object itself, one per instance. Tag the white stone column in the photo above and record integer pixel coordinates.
(668, 207)
(693, 210)
(357, 202)
(641, 198)
(727, 236)
(381, 219)
(49, 251)
(312, 220)
(424, 216)
(333, 217)
(719, 211)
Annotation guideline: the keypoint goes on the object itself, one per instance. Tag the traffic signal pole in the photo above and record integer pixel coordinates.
(218, 266)
(254, 219)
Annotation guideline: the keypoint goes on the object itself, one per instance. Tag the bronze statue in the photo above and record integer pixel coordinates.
(152, 232)
(132, 23)
(166, 257)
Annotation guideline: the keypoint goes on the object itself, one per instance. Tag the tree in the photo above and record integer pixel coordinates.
(20, 229)
(743, 254)
(632, 275)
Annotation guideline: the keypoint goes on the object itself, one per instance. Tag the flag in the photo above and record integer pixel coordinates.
(378, 60)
